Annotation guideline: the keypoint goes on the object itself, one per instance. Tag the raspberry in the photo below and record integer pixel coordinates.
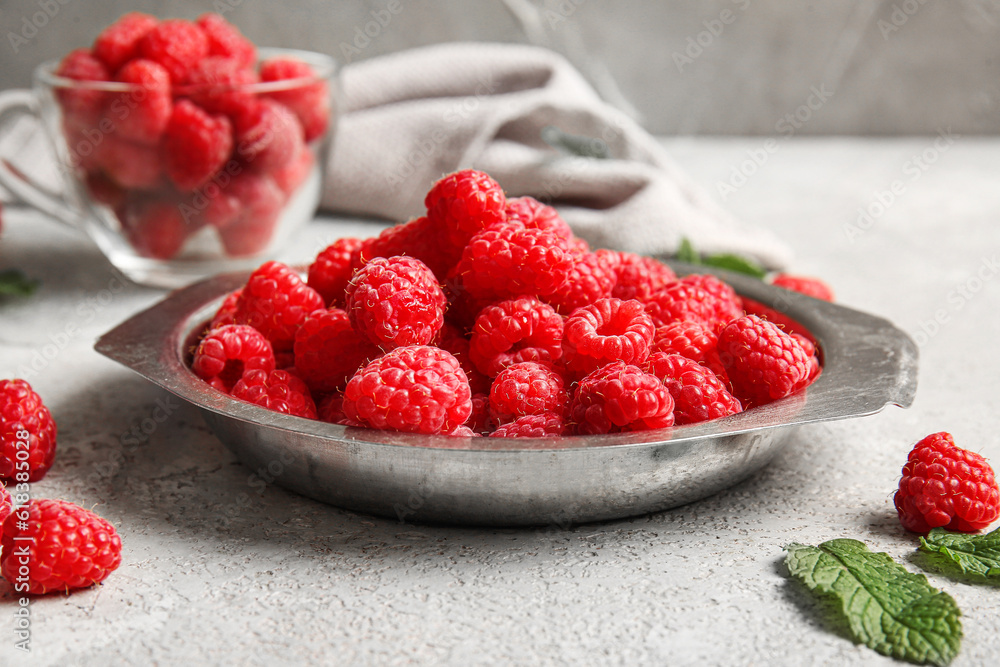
(149, 110)
(82, 108)
(280, 391)
(608, 330)
(591, 278)
(328, 351)
(252, 229)
(465, 203)
(640, 277)
(268, 135)
(103, 190)
(131, 165)
(155, 228)
(228, 352)
(416, 388)
(620, 397)
(946, 486)
(119, 42)
(331, 270)
(535, 215)
(451, 339)
(509, 260)
(295, 173)
(527, 388)
(725, 306)
(176, 44)
(227, 311)
(276, 302)
(678, 302)
(68, 547)
(692, 340)
(813, 287)
(396, 301)
(196, 144)
(226, 41)
(218, 85)
(6, 503)
(764, 363)
(463, 431)
(308, 98)
(698, 393)
(545, 425)
(420, 238)
(331, 409)
(23, 416)
(784, 322)
(512, 331)
(480, 420)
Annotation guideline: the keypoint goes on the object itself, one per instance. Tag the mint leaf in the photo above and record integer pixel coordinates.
(14, 283)
(972, 554)
(686, 253)
(735, 263)
(888, 608)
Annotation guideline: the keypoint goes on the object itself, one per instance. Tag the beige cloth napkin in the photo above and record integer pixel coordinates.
(411, 117)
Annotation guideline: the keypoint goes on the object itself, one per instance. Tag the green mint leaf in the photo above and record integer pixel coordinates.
(888, 608)
(972, 554)
(575, 144)
(14, 283)
(686, 252)
(735, 263)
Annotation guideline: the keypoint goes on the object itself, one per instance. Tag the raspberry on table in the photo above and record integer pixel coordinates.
(465, 203)
(218, 85)
(763, 362)
(535, 215)
(639, 277)
(332, 269)
(328, 350)
(945, 486)
(148, 112)
(119, 42)
(226, 41)
(725, 305)
(809, 286)
(527, 388)
(544, 425)
(605, 331)
(415, 388)
(196, 145)
(68, 547)
(24, 417)
(678, 302)
(308, 98)
(278, 390)
(276, 302)
(267, 135)
(227, 352)
(176, 44)
(592, 277)
(698, 393)
(260, 205)
(620, 397)
(515, 330)
(396, 301)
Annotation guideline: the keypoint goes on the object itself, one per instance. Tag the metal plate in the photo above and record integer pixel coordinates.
(868, 364)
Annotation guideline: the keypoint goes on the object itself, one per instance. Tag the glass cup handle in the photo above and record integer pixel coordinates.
(22, 186)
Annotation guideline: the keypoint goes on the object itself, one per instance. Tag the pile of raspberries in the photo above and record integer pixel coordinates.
(489, 317)
(189, 146)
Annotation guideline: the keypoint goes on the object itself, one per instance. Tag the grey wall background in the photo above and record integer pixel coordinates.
(712, 67)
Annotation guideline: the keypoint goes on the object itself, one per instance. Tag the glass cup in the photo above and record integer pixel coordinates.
(176, 186)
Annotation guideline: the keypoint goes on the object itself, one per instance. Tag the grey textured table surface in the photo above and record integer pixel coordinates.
(216, 573)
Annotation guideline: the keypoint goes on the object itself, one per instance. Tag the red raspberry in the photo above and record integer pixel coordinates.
(535, 215)
(119, 42)
(609, 330)
(680, 302)
(226, 41)
(527, 388)
(545, 425)
(813, 287)
(620, 397)
(512, 331)
(130, 165)
(6, 503)
(946, 486)
(68, 547)
(692, 340)
(509, 260)
(764, 363)
(226, 313)
(148, 111)
(465, 203)
(640, 277)
(280, 391)
(331, 409)
(480, 420)
(228, 352)
(296, 172)
(268, 135)
(176, 44)
(23, 416)
(218, 85)
(332, 269)
(725, 305)
(463, 431)
(420, 238)
(452, 340)
(698, 393)
(155, 228)
(328, 351)
(253, 228)
(276, 302)
(416, 388)
(784, 322)
(591, 278)
(195, 145)
(82, 108)
(396, 301)
(308, 97)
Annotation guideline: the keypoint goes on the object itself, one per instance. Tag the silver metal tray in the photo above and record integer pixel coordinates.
(867, 364)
